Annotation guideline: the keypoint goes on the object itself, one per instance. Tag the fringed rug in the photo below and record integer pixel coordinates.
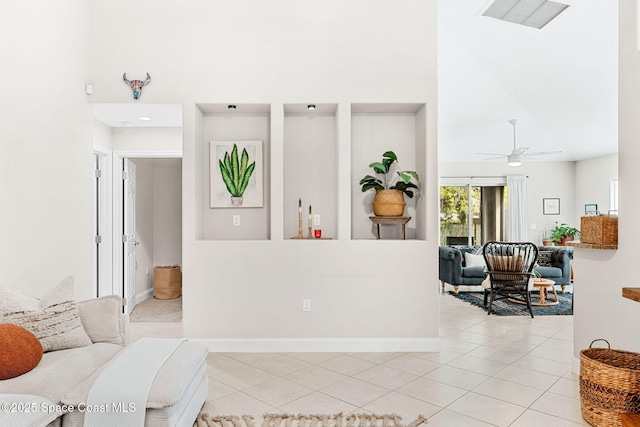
(508, 308)
(290, 420)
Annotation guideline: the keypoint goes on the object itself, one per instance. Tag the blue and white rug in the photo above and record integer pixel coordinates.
(504, 307)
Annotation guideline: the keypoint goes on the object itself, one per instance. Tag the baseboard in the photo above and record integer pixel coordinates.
(575, 365)
(143, 296)
(319, 345)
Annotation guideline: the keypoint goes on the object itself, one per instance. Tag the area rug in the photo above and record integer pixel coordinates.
(317, 420)
(158, 310)
(507, 308)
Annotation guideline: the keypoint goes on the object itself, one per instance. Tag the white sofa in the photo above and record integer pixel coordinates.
(64, 377)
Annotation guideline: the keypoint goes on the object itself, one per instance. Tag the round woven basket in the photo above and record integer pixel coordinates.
(609, 385)
(389, 203)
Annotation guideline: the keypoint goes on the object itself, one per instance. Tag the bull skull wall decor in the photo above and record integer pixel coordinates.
(136, 85)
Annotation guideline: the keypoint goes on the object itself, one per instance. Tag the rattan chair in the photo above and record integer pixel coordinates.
(510, 268)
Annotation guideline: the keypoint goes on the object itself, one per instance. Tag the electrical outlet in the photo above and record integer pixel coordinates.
(236, 220)
(316, 220)
(306, 305)
(146, 271)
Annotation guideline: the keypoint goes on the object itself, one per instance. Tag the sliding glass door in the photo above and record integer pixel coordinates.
(472, 214)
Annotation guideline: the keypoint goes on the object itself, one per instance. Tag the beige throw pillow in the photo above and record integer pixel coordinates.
(54, 320)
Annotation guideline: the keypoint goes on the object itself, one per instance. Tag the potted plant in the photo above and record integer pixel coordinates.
(562, 233)
(390, 190)
(546, 241)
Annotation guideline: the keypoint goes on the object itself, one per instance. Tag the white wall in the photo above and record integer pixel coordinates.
(592, 182)
(167, 212)
(600, 310)
(546, 180)
(147, 139)
(46, 168)
(276, 53)
(102, 134)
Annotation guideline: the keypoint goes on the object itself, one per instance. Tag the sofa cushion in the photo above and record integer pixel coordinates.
(170, 383)
(473, 272)
(60, 371)
(102, 320)
(20, 351)
(54, 320)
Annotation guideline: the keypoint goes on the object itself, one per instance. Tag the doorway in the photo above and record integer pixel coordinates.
(152, 224)
(472, 214)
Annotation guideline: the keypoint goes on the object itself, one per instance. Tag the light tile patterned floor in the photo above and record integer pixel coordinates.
(492, 371)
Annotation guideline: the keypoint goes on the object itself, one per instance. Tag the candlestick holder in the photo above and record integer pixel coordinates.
(300, 226)
(310, 234)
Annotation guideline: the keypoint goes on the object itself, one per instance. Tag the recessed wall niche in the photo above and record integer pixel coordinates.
(375, 129)
(310, 167)
(232, 122)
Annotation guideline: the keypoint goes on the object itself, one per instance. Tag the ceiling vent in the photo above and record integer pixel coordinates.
(532, 13)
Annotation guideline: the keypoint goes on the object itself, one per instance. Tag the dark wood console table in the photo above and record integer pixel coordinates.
(386, 220)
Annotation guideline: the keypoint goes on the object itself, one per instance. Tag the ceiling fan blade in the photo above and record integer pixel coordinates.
(519, 150)
(495, 158)
(492, 154)
(541, 153)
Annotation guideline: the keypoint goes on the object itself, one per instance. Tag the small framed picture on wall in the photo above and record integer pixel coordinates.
(591, 210)
(551, 206)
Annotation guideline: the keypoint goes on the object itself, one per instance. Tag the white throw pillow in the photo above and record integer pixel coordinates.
(54, 319)
(471, 260)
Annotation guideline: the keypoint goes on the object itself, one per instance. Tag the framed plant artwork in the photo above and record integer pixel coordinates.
(235, 174)
(551, 206)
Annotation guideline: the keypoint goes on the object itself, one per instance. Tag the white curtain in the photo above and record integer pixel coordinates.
(518, 230)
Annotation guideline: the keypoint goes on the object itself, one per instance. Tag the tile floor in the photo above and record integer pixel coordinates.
(492, 371)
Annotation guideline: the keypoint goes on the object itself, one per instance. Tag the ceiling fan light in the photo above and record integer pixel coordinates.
(514, 160)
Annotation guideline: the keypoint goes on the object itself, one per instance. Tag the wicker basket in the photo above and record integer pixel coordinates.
(167, 282)
(601, 229)
(389, 203)
(609, 385)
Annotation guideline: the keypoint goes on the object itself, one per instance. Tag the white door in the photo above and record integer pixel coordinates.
(129, 234)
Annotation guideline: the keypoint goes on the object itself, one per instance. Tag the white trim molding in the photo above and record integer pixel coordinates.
(320, 345)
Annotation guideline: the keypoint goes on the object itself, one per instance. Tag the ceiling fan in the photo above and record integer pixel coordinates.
(516, 156)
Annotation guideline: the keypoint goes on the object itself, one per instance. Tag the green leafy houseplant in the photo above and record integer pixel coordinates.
(561, 231)
(401, 180)
(236, 172)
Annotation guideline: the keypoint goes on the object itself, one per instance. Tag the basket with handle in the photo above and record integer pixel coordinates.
(609, 384)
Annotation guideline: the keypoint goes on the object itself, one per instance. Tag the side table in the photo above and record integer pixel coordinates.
(386, 220)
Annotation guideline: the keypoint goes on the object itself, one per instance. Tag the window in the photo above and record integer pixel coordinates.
(613, 194)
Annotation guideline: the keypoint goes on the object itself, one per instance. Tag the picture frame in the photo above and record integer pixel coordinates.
(551, 206)
(591, 209)
(235, 174)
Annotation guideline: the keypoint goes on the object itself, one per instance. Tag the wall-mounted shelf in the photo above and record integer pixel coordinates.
(576, 244)
(631, 293)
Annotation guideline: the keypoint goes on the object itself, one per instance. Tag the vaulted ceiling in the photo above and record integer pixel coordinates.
(560, 82)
